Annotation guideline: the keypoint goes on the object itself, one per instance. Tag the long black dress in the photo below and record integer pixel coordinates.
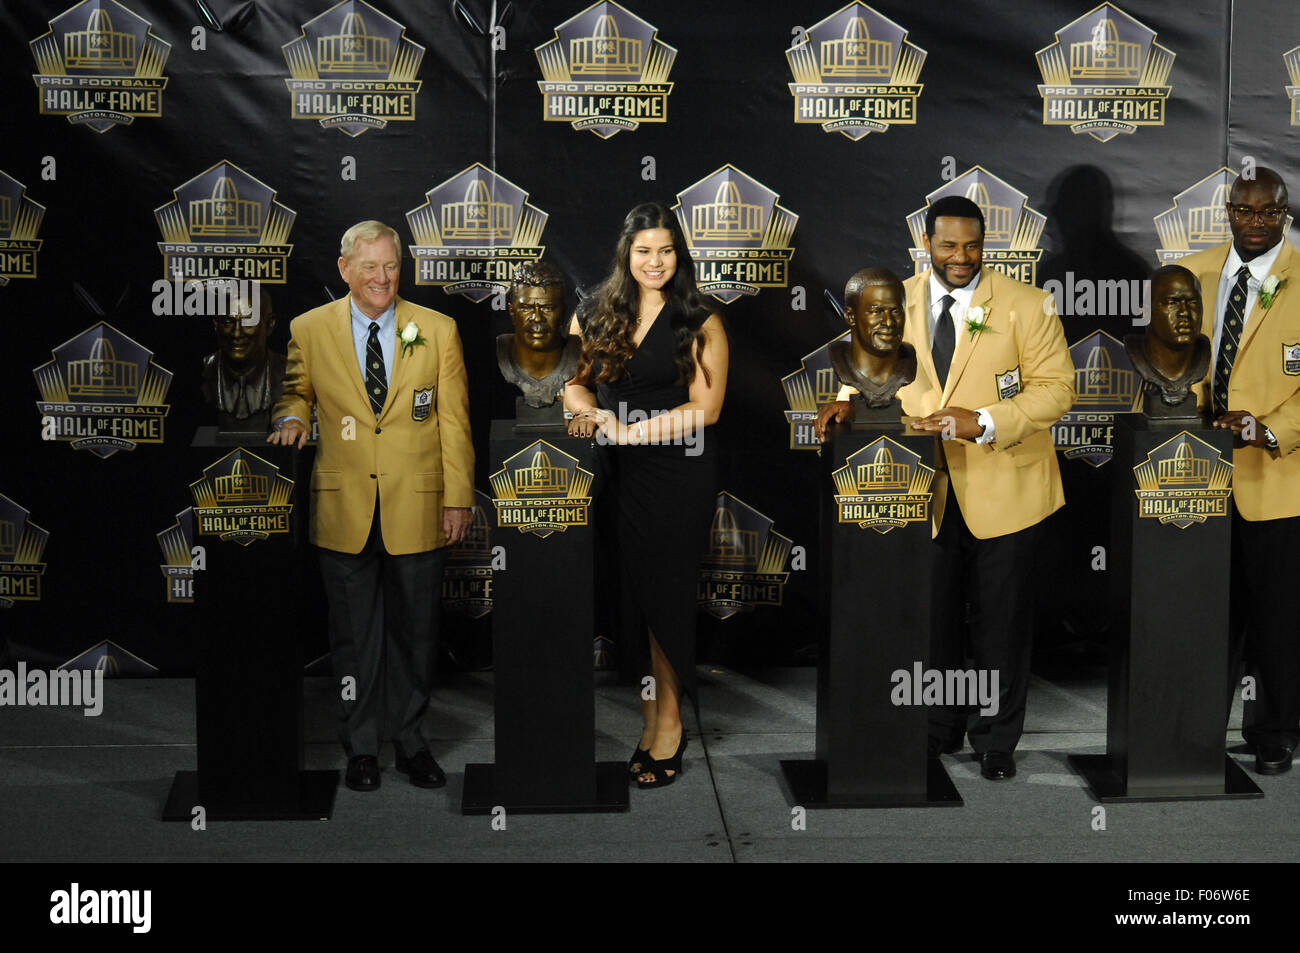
(665, 496)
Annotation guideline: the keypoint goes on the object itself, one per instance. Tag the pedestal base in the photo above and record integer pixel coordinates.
(1168, 681)
(541, 637)
(1107, 786)
(807, 780)
(314, 802)
(610, 794)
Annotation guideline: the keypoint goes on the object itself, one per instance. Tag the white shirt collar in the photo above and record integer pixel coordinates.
(1259, 266)
(962, 296)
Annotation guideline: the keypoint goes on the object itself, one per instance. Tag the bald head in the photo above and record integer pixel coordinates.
(1167, 272)
(1266, 178)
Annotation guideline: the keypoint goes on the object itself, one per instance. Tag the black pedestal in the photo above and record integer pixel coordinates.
(248, 686)
(542, 632)
(1167, 698)
(870, 751)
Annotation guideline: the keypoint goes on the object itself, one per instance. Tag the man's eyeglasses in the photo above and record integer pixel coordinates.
(1245, 213)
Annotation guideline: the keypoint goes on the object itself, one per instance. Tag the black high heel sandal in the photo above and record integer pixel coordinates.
(660, 769)
(636, 765)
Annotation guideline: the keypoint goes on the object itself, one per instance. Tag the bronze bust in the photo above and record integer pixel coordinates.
(1172, 355)
(875, 361)
(537, 358)
(243, 379)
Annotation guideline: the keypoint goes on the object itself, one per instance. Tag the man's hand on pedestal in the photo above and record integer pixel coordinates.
(837, 411)
(289, 433)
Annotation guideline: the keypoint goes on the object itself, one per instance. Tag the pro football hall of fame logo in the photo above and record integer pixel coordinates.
(467, 580)
(177, 544)
(605, 71)
(541, 490)
(744, 567)
(1104, 75)
(20, 220)
(223, 223)
(100, 65)
(855, 73)
(242, 498)
(883, 486)
(1105, 384)
(102, 392)
(814, 384)
(737, 233)
(22, 544)
(1011, 227)
(1183, 481)
(471, 232)
(353, 69)
(1292, 59)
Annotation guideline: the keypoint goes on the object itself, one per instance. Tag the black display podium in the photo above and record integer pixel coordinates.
(871, 752)
(248, 685)
(542, 632)
(1167, 705)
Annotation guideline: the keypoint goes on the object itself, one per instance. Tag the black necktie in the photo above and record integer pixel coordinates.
(376, 379)
(1233, 320)
(945, 340)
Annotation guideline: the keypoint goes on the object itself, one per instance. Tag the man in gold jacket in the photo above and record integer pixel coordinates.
(1253, 389)
(993, 374)
(391, 490)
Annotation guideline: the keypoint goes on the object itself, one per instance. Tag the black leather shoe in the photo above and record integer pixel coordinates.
(422, 769)
(1272, 759)
(997, 765)
(363, 773)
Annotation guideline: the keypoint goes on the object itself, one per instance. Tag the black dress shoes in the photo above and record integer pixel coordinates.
(422, 769)
(996, 765)
(363, 773)
(1272, 759)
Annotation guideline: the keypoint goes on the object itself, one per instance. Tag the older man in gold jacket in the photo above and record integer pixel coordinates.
(392, 489)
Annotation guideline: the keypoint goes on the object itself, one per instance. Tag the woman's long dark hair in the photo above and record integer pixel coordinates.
(608, 318)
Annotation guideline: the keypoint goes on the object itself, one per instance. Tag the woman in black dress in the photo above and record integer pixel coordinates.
(657, 360)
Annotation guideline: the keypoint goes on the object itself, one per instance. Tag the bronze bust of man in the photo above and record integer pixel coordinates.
(243, 378)
(1172, 355)
(875, 361)
(537, 358)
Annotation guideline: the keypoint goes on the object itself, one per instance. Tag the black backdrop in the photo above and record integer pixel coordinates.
(730, 104)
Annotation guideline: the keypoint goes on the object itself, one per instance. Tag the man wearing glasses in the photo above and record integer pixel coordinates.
(1253, 389)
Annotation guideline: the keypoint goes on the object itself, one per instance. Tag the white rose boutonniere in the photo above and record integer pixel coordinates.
(975, 321)
(411, 337)
(1269, 289)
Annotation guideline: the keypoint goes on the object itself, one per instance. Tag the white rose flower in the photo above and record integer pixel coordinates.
(1269, 285)
(410, 333)
(975, 314)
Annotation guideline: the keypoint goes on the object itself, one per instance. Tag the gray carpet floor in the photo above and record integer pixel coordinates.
(78, 789)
